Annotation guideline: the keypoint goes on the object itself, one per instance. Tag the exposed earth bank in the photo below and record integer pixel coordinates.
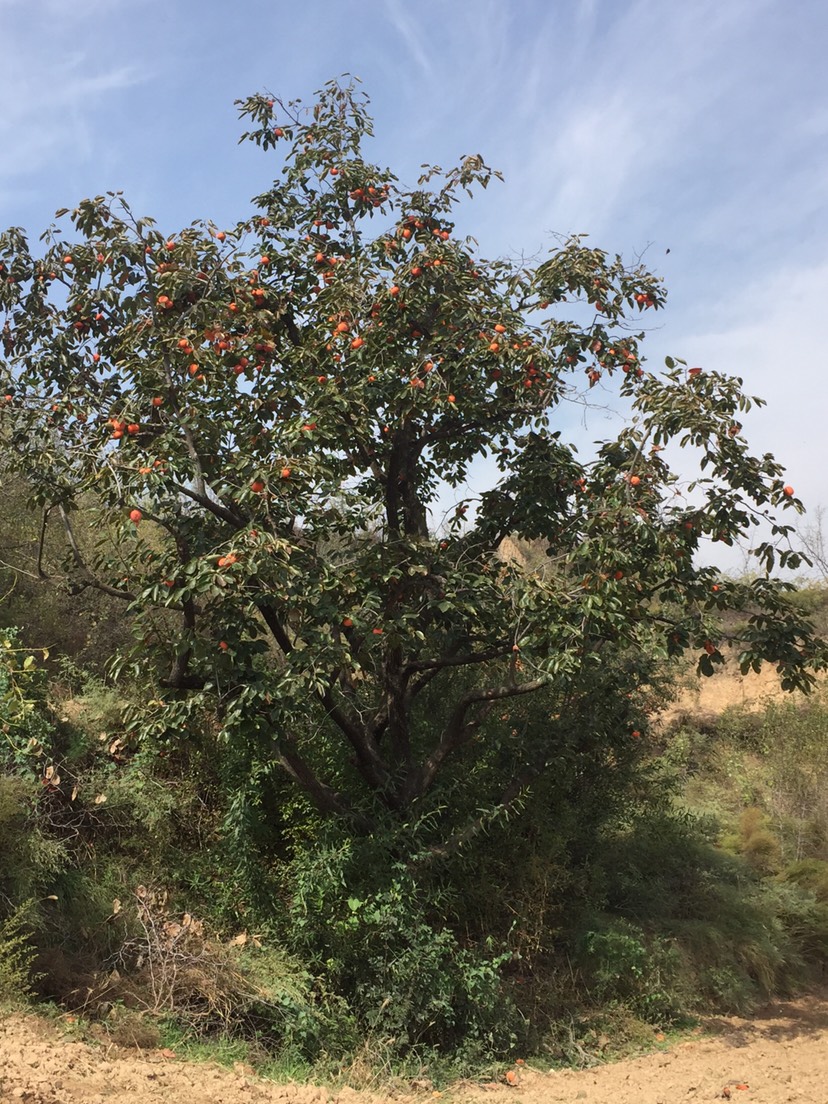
(780, 1055)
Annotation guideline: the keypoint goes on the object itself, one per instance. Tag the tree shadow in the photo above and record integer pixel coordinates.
(776, 1021)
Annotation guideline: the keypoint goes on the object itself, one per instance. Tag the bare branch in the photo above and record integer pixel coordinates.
(362, 740)
(179, 677)
(220, 511)
(274, 623)
(325, 798)
(359, 736)
(456, 661)
(42, 541)
(20, 570)
(89, 579)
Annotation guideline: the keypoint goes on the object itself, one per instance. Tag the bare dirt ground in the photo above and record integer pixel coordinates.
(706, 698)
(780, 1055)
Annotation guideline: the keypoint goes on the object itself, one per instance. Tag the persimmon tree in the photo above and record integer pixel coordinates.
(262, 419)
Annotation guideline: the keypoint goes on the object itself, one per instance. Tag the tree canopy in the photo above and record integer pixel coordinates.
(260, 420)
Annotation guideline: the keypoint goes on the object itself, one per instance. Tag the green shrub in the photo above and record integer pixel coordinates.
(719, 934)
(16, 955)
(381, 938)
(30, 859)
(625, 965)
(810, 874)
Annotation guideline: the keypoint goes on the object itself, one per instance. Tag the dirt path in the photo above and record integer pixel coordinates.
(778, 1056)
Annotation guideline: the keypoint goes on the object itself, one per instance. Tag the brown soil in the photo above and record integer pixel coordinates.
(780, 1055)
(704, 699)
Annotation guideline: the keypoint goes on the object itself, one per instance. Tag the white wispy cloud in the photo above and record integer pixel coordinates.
(45, 107)
(768, 332)
(617, 109)
(69, 13)
(411, 34)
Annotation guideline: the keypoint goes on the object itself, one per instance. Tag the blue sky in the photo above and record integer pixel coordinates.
(700, 127)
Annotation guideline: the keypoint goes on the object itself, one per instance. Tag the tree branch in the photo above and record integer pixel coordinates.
(456, 661)
(20, 570)
(325, 798)
(179, 678)
(89, 579)
(464, 835)
(459, 730)
(400, 485)
(42, 541)
(369, 761)
(277, 629)
(361, 739)
(203, 499)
